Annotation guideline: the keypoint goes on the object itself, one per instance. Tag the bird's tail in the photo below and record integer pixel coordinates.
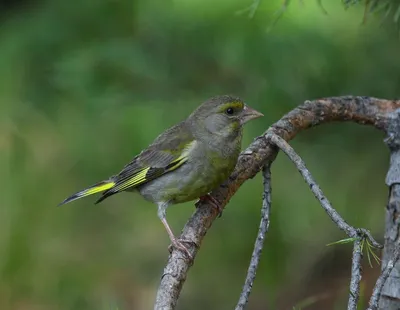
(96, 188)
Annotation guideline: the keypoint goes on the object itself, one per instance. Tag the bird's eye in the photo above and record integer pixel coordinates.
(229, 111)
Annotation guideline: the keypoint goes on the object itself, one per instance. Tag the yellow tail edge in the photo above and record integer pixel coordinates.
(97, 188)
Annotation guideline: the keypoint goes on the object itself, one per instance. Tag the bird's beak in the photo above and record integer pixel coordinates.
(249, 114)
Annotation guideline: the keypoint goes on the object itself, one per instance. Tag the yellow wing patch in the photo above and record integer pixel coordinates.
(99, 188)
(150, 173)
(137, 179)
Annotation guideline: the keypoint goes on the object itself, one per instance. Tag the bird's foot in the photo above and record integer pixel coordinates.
(213, 202)
(178, 244)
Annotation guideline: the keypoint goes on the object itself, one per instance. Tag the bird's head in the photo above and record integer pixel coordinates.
(223, 115)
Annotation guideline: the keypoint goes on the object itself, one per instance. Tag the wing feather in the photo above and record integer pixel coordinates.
(167, 153)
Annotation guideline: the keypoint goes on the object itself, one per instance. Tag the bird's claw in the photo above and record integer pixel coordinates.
(213, 202)
(178, 244)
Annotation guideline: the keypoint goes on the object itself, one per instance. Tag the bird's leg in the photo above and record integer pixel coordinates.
(213, 202)
(177, 243)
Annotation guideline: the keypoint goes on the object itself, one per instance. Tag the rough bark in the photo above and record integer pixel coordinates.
(390, 296)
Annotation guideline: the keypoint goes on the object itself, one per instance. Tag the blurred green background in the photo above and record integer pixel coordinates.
(85, 85)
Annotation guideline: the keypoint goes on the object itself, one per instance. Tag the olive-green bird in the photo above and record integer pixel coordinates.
(185, 162)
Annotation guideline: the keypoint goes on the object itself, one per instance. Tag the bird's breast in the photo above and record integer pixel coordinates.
(206, 170)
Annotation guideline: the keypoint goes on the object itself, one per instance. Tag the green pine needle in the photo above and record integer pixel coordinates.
(365, 242)
(370, 252)
(343, 241)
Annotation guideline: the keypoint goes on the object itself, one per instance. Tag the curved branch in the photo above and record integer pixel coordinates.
(362, 110)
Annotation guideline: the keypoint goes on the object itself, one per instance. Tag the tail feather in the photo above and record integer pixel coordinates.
(99, 187)
(104, 196)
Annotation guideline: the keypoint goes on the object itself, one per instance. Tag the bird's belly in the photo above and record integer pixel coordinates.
(187, 183)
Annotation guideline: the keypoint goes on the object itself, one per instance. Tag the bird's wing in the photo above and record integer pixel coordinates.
(168, 152)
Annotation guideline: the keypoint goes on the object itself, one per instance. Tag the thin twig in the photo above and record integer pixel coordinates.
(356, 271)
(326, 205)
(258, 246)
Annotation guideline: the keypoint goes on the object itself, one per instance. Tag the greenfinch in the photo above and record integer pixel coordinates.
(185, 162)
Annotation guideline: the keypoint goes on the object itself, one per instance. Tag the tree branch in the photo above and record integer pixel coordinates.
(362, 110)
(259, 244)
(356, 271)
(333, 214)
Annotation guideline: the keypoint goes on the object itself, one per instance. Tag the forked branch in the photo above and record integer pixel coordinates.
(358, 235)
